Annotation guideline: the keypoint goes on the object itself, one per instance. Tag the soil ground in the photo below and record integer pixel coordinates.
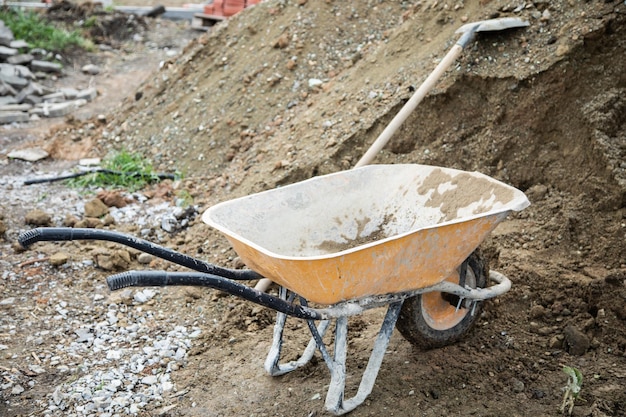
(240, 110)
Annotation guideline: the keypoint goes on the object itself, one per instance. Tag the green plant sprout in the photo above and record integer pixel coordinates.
(128, 171)
(572, 389)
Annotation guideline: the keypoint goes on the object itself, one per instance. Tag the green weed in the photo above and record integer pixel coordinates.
(129, 171)
(32, 28)
(572, 389)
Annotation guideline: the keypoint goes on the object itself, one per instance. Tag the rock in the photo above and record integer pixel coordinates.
(54, 97)
(7, 117)
(45, 66)
(87, 94)
(121, 297)
(29, 154)
(537, 192)
(38, 217)
(59, 259)
(16, 71)
(6, 52)
(6, 35)
(537, 311)
(14, 81)
(69, 93)
(112, 198)
(31, 99)
(70, 220)
(7, 100)
(108, 220)
(62, 109)
(91, 69)
(116, 260)
(194, 292)
(6, 89)
(15, 108)
(144, 258)
(84, 335)
(516, 385)
(89, 222)
(20, 59)
(3, 228)
(95, 208)
(18, 44)
(282, 41)
(556, 342)
(576, 342)
(7, 302)
(17, 390)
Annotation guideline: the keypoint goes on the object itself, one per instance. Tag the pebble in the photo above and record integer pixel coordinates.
(144, 258)
(576, 341)
(91, 69)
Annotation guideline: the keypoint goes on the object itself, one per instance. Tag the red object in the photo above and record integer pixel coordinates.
(228, 8)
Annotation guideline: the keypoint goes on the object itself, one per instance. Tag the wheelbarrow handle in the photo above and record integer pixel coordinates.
(163, 278)
(47, 234)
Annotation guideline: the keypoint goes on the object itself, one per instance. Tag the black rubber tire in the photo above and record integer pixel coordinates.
(415, 328)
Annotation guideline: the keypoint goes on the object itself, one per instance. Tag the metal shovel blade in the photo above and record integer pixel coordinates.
(493, 25)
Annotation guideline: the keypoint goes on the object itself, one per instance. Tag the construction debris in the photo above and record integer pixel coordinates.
(22, 96)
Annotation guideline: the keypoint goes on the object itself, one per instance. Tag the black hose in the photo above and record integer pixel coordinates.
(162, 278)
(102, 171)
(48, 234)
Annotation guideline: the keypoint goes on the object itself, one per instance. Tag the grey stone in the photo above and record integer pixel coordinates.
(20, 59)
(91, 69)
(6, 89)
(30, 89)
(45, 66)
(88, 94)
(16, 71)
(69, 93)
(38, 111)
(19, 44)
(32, 99)
(13, 117)
(6, 52)
(29, 154)
(54, 97)
(6, 35)
(41, 89)
(59, 109)
(7, 100)
(15, 107)
(14, 81)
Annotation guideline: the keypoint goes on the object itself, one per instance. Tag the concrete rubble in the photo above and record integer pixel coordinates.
(22, 96)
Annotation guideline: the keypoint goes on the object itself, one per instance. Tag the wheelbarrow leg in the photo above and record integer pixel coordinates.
(335, 401)
(272, 363)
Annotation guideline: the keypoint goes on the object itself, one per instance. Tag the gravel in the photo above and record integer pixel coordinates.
(105, 351)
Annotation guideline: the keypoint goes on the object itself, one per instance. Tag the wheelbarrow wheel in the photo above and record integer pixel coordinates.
(432, 320)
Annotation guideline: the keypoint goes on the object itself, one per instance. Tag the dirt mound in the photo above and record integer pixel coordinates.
(291, 89)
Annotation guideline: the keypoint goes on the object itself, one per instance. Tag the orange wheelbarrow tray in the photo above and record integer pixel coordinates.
(349, 241)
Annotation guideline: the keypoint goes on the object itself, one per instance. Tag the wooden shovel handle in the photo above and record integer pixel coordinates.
(408, 108)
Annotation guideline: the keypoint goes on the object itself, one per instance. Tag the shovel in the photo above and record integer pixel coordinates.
(467, 32)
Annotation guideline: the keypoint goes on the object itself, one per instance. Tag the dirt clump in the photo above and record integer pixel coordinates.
(288, 90)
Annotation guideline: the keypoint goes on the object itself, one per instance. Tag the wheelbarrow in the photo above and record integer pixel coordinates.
(401, 236)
